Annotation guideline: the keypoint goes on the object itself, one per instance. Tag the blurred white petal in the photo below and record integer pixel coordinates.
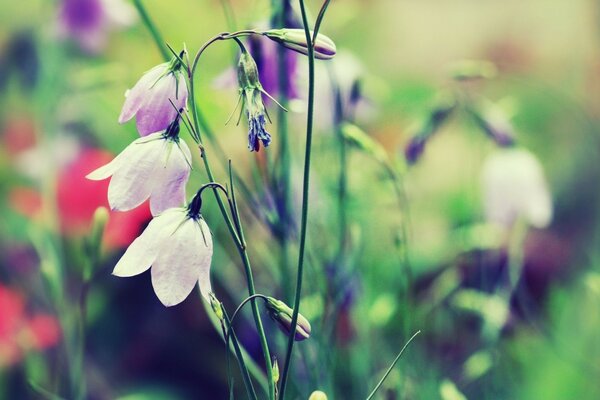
(143, 251)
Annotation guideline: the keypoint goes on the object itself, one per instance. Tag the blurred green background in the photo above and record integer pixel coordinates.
(540, 342)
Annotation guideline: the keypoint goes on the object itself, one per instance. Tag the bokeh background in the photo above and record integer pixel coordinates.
(61, 94)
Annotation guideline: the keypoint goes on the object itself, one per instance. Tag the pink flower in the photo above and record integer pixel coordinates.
(150, 99)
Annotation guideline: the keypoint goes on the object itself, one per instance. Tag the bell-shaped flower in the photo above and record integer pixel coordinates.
(251, 92)
(514, 187)
(177, 244)
(156, 98)
(156, 166)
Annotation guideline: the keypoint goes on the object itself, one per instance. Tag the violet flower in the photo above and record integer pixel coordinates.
(251, 92)
(156, 166)
(178, 246)
(150, 99)
(88, 21)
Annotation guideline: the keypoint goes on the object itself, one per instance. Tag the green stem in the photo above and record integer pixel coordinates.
(158, 39)
(241, 243)
(305, 187)
(285, 159)
(229, 334)
(370, 396)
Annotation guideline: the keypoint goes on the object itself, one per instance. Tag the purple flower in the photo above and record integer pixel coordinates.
(178, 247)
(265, 53)
(150, 99)
(156, 166)
(251, 92)
(88, 21)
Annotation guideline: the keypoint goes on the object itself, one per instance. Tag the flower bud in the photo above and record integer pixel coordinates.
(318, 395)
(295, 39)
(282, 314)
(275, 369)
(495, 124)
(216, 306)
(437, 117)
(248, 72)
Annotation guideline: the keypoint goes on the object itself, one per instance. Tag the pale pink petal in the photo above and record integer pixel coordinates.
(143, 251)
(183, 259)
(138, 95)
(206, 248)
(157, 112)
(169, 190)
(107, 170)
(133, 182)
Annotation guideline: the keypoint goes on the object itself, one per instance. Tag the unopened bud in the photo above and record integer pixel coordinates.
(295, 39)
(275, 369)
(248, 72)
(495, 124)
(436, 118)
(466, 70)
(216, 306)
(282, 314)
(318, 395)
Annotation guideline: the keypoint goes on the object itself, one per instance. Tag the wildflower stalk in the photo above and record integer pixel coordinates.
(370, 396)
(305, 188)
(153, 30)
(237, 236)
(284, 154)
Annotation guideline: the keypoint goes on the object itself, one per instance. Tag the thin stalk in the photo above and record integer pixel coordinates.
(391, 367)
(229, 334)
(285, 160)
(158, 39)
(305, 187)
(240, 244)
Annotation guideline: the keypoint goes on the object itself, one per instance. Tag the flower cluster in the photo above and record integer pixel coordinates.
(177, 244)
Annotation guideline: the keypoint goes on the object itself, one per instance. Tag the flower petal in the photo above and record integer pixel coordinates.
(169, 189)
(143, 251)
(183, 260)
(137, 96)
(133, 182)
(157, 112)
(105, 171)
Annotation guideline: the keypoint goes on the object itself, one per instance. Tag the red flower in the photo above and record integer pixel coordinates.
(20, 333)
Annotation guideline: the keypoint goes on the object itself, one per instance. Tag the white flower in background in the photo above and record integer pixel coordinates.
(178, 246)
(156, 166)
(514, 187)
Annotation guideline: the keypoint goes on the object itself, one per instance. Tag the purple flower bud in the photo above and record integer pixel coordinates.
(251, 96)
(495, 124)
(282, 314)
(295, 39)
(150, 99)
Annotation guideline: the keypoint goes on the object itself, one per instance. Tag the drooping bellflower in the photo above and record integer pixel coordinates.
(156, 166)
(156, 98)
(514, 187)
(251, 92)
(177, 247)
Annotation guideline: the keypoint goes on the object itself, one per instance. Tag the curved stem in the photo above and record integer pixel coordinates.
(305, 188)
(238, 236)
(370, 396)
